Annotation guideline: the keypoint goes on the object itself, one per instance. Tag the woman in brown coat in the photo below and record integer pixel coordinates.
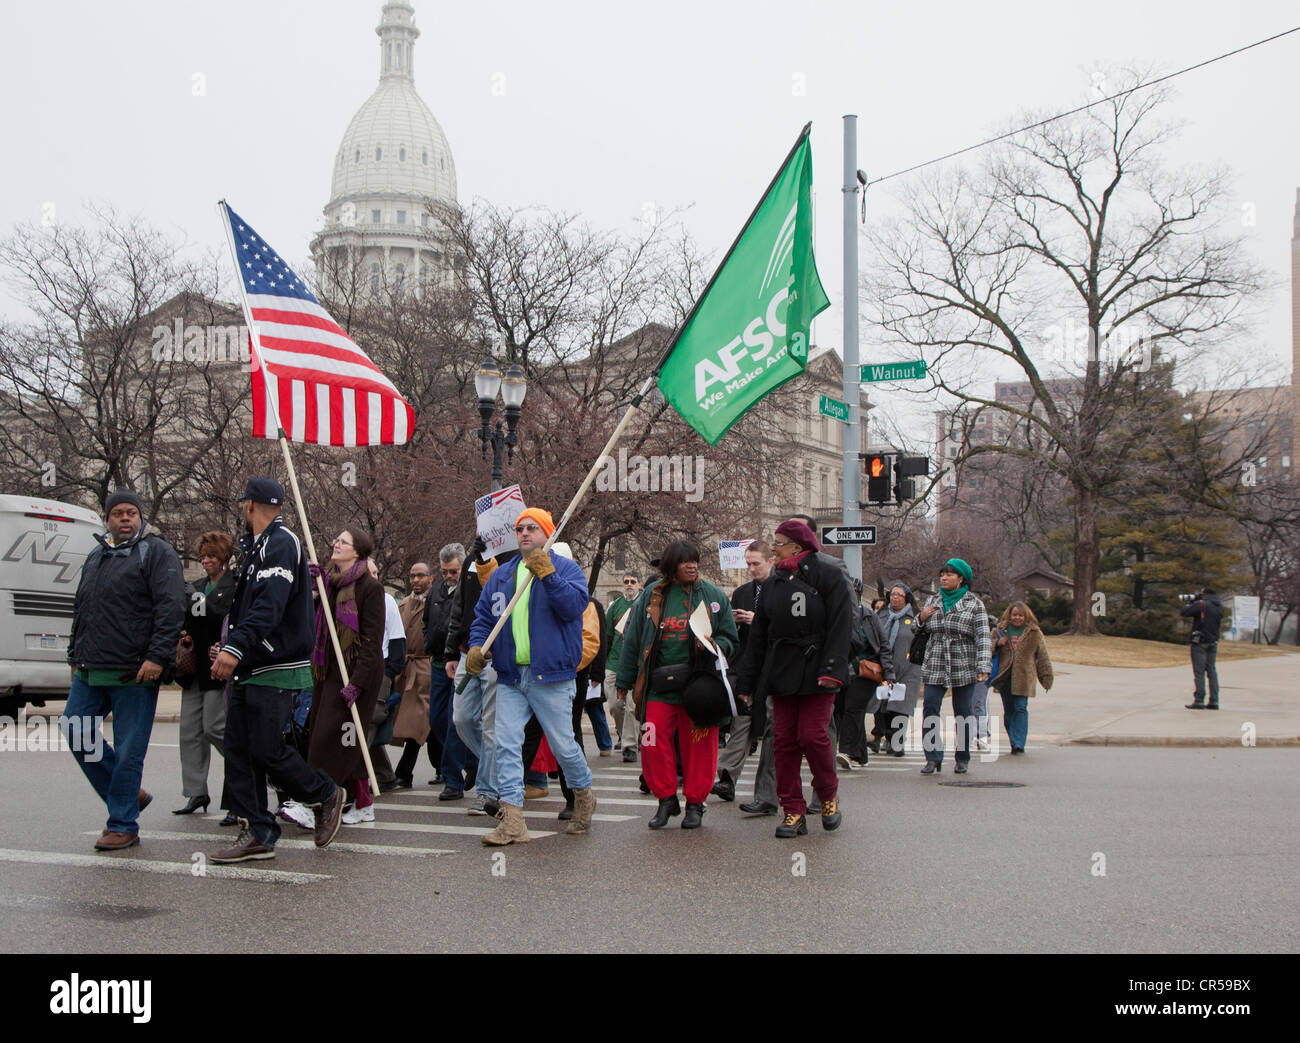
(1023, 664)
(356, 601)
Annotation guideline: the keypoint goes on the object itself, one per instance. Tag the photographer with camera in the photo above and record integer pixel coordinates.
(1206, 612)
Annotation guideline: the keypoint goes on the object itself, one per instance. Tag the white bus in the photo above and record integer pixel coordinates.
(43, 544)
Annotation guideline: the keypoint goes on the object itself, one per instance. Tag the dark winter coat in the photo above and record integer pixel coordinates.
(203, 616)
(438, 605)
(905, 673)
(1207, 613)
(129, 606)
(802, 631)
(272, 622)
(334, 748)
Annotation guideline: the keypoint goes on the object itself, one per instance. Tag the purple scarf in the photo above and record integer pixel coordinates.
(346, 616)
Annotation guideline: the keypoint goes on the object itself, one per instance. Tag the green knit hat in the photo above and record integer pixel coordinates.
(961, 568)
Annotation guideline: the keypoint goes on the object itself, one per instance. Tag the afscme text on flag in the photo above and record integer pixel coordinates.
(748, 333)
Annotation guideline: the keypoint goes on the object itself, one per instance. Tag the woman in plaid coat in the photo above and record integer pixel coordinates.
(958, 655)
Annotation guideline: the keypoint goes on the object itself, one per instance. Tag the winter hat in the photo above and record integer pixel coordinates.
(123, 496)
(800, 533)
(543, 518)
(961, 568)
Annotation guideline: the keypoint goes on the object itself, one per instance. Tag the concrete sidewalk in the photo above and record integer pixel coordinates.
(1113, 706)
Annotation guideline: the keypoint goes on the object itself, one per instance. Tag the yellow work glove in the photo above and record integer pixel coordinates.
(475, 660)
(538, 562)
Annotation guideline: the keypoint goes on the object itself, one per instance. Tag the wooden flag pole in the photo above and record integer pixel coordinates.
(297, 501)
(564, 518)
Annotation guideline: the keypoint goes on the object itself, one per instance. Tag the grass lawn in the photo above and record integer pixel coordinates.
(1135, 652)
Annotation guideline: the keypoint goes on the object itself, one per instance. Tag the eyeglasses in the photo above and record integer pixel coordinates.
(784, 543)
(339, 541)
(527, 528)
(451, 572)
(631, 583)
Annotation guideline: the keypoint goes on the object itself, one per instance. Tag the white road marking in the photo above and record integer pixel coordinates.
(463, 813)
(337, 845)
(112, 860)
(420, 827)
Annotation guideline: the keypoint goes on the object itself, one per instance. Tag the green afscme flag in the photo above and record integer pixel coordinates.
(748, 332)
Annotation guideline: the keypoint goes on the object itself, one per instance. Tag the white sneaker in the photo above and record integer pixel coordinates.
(982, 744)
(298, 814)
(354, 814)
(843, 761)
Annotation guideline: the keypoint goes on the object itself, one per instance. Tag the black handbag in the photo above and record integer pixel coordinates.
(670, 678)
(916, 652)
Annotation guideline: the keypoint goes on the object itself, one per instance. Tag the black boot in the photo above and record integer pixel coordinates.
(668, 807)
(724, 788)
(195, 804)
(694, 816)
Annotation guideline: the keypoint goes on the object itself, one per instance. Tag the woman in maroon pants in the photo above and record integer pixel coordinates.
(798, 653)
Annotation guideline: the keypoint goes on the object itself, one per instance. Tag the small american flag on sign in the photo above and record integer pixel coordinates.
(325, 388)
(497, 498)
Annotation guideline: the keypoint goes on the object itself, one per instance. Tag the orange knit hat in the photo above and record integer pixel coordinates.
(543, 518)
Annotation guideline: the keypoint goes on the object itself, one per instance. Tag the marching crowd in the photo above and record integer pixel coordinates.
(490, 665)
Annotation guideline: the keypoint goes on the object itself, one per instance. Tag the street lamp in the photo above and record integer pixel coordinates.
(487, 382)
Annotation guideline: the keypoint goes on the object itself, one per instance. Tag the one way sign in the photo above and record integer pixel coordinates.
(841, 535)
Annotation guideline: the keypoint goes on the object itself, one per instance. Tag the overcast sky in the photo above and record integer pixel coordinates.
(609, 106)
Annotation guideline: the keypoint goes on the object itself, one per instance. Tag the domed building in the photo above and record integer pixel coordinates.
(394, 159)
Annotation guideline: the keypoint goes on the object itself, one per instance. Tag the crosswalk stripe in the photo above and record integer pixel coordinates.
(422, 810)
(437, 827)
(140, 865)
(337, 845)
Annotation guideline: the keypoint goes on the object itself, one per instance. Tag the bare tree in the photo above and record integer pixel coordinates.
(1072, 251)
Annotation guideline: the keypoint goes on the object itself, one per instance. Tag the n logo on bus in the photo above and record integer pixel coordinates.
(44, 550)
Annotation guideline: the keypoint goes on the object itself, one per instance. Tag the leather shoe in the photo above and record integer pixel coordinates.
(642, 785)
(1196, 706)
(874, 745)
(931, 767)
(195, 804)
(402, 783)
(629, 755)
(231, 819)
(1211, 706)
(112, 841)
(960, 769)
(329, 816)
(566, 814)
(759, 807)
(451, 794)
(831, 814)
(793, 826)
(145, 799)
(725, 787)
(694, 816)
(668, 807)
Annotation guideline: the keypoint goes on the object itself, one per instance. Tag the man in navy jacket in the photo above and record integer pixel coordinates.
(536, 657)
(267, 656)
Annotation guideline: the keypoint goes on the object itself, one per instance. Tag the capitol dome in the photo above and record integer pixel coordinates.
(393, 160)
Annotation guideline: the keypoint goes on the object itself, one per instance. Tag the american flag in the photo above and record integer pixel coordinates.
(501, 496)
(327, 389)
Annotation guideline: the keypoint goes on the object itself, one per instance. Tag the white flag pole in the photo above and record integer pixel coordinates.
(297, 494)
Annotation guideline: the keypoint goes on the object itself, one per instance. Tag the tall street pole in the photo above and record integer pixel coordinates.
(852, 430)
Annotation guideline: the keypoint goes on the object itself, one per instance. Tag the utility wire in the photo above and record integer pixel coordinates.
(1081, 108)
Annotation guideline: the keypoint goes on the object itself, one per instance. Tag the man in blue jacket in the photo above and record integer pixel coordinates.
(267, 656)
(536, 657)
(126, 620)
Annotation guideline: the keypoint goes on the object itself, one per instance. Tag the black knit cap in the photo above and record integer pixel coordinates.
(118, 496)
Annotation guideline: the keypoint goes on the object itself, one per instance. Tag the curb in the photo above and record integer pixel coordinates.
(1208, 742)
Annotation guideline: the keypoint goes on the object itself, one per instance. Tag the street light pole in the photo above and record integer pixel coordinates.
(487, 382)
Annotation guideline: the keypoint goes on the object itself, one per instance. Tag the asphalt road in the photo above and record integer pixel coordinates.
(1200, 853)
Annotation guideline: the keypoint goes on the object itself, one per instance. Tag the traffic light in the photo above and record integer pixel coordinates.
(877, 477)
(905, 468)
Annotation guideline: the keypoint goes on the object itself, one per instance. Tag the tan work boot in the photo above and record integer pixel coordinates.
(584, 804)
(510, 830)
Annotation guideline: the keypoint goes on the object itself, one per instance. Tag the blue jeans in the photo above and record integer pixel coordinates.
(116, 773)
(474, 716)
(553, 705)
(1015, 714)
(456, 756)
(932, 722)
(979, 708)
(599, 724)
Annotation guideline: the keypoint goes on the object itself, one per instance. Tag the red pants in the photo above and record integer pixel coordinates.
(699, 748)
(799, 725)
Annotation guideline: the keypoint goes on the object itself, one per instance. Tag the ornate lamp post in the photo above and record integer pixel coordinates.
(487, 382)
